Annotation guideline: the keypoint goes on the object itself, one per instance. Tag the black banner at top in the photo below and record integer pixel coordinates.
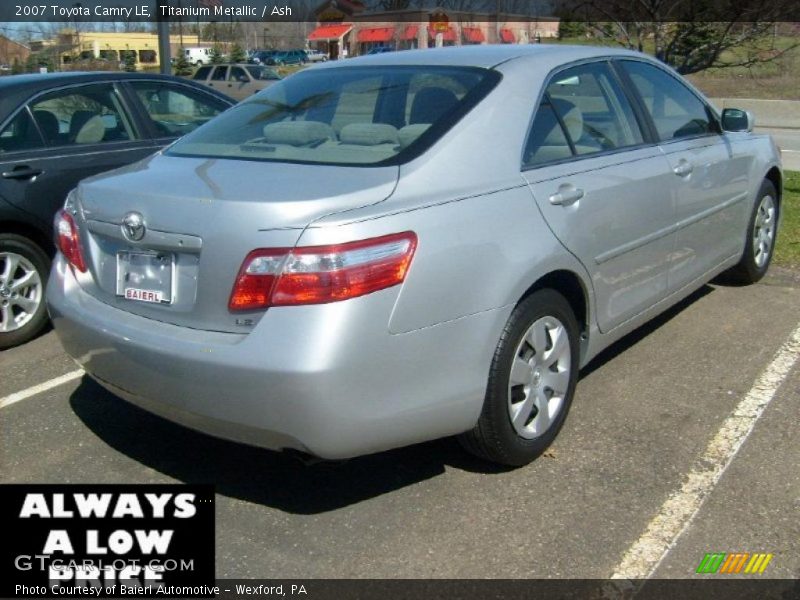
(192, 11)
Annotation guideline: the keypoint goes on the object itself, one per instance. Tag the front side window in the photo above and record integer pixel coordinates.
(175, 110)
(20, 134)
(675, 110)
(89, 114)
(349, 115)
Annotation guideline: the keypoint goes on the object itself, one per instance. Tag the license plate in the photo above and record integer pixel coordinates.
(145, 276)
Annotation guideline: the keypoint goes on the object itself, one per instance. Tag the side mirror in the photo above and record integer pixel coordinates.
(735, 119)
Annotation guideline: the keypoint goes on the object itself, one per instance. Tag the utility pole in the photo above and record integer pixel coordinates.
(164, 49)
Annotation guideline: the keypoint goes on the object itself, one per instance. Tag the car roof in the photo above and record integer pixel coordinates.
(15, 89)
(485, 56)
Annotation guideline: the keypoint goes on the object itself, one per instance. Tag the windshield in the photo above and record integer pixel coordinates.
(350, 115)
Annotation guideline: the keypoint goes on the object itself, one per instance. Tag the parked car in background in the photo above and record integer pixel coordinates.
(57, 129)
(239, 81)
(316, 56)
(391, 249)
(288, 57)
(260, 57)
(197, 56)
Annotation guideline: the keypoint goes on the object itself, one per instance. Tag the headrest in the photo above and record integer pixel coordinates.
(369, 134)
(572, 117)
(409, 134)
(298, 133)
(430, 104)
(92, 131)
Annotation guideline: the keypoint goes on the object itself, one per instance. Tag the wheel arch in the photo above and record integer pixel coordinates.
(774, 176)
(29, 231)
(570, 285)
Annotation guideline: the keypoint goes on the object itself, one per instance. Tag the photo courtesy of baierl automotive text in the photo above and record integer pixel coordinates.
(368, 299)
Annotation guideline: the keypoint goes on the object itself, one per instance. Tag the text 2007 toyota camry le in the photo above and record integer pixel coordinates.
(387, 250)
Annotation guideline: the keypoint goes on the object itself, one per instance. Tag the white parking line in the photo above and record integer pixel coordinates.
(679, 510)
(38, 389)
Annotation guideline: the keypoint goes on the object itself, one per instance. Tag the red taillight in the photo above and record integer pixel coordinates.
(322, 274)
(69, 241)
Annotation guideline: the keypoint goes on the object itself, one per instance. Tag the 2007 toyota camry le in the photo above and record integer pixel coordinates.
(391, 249)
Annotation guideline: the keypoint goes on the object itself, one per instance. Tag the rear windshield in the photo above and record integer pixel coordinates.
(350, 115)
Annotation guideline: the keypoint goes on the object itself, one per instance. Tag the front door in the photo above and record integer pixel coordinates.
(709, 180)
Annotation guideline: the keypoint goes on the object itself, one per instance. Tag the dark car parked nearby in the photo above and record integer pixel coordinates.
(57, 129)
(288, 57)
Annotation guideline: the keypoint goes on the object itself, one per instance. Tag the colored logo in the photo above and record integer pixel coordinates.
(734, 562)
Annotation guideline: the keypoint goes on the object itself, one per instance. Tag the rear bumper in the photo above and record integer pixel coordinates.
(329, 380)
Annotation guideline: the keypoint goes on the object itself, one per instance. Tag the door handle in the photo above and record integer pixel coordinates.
(683, 168)
(22, 172)
(567, 194)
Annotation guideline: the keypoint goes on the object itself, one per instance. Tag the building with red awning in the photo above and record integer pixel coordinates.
(346, 28)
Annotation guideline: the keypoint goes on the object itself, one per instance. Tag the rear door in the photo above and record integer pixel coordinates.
(709, 181)
(83, 130)
(603, 189)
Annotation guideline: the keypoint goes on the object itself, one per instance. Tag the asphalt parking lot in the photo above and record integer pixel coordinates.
(643, 421)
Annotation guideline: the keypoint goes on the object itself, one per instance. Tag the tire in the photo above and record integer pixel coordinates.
(23, 313)
(544, 317)
(762, 229)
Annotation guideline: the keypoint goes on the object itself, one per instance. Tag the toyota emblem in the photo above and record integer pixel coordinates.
(133, 226)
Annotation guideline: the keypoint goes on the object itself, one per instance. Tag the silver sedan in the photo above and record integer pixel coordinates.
(391, 249)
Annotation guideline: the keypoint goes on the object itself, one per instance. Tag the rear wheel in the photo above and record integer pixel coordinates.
(23, 275)
(531, 382)
(760, 238)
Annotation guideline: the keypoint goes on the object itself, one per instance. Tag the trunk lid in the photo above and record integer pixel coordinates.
(201, 218)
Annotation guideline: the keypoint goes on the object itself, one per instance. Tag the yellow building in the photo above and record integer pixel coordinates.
(114, 47)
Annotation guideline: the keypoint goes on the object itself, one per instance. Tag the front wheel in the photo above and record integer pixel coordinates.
(762, 229)
(531, 382)
(24, 268)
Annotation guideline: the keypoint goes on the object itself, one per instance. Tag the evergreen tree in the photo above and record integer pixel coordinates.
(182, 67)
(215, 54)
(238, 55)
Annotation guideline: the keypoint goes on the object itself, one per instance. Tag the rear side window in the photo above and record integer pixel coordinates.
(675, 110)
(238, 75)
(202, 72)
(547, 141)
(90, 114)
(348, 115)
(584, 111)
(219, 74)
(20, 134)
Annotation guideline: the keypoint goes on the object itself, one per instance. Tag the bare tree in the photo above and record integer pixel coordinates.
(689, 35)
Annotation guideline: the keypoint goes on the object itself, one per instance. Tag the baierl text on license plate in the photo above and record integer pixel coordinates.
(144, 295)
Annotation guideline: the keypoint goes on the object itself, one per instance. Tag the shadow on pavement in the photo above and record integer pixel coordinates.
(280, 480)
(254, 474)
(634, 337)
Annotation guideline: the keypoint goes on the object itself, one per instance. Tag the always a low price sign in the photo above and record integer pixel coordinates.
(107, 540)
